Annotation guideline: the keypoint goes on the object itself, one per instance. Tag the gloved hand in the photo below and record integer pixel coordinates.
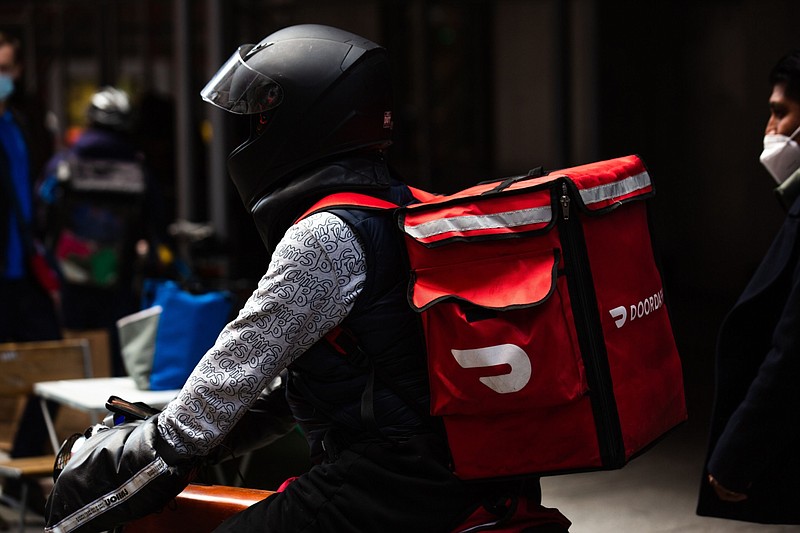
(119, 474)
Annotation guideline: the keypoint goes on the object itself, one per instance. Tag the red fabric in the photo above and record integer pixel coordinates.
(44, 273)
(645, 367)
(420, 214)
(347, 199)
(592, 174)
(556, 372)
(422, 195)
(520, 279)
(286, 484)
(507, 372)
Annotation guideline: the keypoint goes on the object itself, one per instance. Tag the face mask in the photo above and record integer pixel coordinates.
(6, 86)
(781, 155)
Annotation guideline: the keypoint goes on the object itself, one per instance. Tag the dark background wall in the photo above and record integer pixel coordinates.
(484, 89)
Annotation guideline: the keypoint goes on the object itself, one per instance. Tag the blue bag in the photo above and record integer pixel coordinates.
(188, 327)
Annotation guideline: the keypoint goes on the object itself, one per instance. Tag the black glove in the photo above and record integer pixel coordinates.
(118, 475)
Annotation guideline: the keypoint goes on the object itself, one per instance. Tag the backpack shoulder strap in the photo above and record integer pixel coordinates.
(360, 200)
(421, 195)
(347, 199)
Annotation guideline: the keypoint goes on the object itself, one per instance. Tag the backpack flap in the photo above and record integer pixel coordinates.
(506, 282)
(485, 338)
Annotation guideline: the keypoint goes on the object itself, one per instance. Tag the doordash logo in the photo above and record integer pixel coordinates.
(492, 356)
(638, 310)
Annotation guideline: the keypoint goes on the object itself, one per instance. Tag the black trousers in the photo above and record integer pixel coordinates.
(401, 488)
(369, 487)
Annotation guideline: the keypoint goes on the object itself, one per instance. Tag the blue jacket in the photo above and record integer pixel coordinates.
(15, 198)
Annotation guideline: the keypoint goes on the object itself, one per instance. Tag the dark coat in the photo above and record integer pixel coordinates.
(755, 428)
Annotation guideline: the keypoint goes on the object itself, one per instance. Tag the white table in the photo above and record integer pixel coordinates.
(90, 395)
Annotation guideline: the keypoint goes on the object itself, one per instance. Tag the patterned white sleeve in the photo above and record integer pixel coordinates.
(315, 275)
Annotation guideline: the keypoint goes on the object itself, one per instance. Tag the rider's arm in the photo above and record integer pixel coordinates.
(313, 280)
(128, 471)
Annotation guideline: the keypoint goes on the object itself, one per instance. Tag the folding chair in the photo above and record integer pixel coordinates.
(21, 365)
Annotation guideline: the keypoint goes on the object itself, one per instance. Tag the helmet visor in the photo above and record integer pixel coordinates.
(240, 89)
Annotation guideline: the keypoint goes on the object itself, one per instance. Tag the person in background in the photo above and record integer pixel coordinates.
(27, 307)
(753, 465)
(27, 312)
(104, 219)
(330, 307)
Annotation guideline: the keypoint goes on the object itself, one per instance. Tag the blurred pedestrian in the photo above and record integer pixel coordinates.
(27, 311)
(104, 220)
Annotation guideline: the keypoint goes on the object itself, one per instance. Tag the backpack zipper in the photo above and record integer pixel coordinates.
(590, 336)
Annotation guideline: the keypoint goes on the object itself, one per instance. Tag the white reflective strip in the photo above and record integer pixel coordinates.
(114, 498)
(609, 191)
(509, 219)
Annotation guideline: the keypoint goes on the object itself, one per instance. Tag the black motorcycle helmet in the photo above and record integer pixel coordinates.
(312, 91)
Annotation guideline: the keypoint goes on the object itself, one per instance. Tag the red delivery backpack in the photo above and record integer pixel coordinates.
(550, 349)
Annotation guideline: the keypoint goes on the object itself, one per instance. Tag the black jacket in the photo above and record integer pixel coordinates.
(329, 392)
(755, 427)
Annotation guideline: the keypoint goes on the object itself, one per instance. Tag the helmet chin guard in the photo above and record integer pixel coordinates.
(312, 91)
